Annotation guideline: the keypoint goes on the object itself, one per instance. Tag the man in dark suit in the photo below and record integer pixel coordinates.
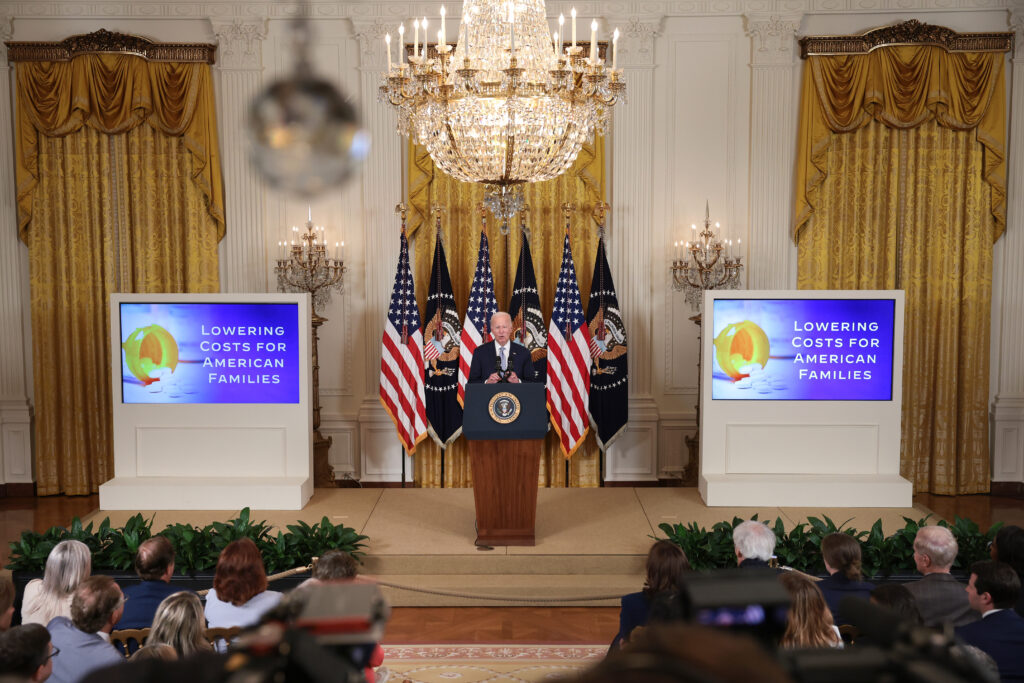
(154, 563)
(940, 597)
(501, 360)
(84, 639)
(992, 591)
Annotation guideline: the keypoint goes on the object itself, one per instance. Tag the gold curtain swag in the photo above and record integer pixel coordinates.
(113, 93)
(584, 186)
(105, 205)
(901, 184)
(901, 87)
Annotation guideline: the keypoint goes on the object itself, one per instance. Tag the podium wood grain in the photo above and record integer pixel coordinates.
(505, 475)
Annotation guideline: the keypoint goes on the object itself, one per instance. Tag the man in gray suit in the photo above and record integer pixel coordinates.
(84, 639)
(940, 597)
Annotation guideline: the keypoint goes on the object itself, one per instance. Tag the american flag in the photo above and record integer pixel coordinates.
(482, 305)
(568, 387)
(401, 359)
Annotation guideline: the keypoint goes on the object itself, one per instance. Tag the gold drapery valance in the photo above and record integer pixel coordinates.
(114, 93)
(901, 87)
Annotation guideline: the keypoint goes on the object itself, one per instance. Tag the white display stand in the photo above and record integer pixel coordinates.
(211, 456)
(801, 453)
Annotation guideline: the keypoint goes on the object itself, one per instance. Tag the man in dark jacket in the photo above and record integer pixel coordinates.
(154, 563)
(992, 590)
(940, 597)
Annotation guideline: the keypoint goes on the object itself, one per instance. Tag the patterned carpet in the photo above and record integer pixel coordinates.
(478, 663)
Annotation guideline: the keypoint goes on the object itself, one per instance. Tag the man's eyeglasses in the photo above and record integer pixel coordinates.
(54, 652)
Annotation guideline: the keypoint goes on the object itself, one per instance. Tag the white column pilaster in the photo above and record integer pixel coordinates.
(382, 184)
(15, 416)
(634, 456)
(771, 262)
(1008, 407)
(239, 72)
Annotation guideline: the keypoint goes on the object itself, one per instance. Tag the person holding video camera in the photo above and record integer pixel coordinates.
(501, 361)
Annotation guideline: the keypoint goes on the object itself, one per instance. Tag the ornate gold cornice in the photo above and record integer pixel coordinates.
(104, 41)
(911, 32)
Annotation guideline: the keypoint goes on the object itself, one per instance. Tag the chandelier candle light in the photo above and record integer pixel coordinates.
(701, 264)
(502, 109)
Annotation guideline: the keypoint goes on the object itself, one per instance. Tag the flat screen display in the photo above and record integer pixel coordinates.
(209, 352)
(803, 349)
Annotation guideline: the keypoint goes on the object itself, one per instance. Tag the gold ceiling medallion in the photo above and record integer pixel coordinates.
(911, 32)
(107, 42)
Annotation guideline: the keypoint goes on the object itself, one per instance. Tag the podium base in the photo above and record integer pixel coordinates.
(505, 475)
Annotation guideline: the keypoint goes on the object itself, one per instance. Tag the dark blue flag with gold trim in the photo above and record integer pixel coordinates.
(441, 332)
(609, 380)
(524, 307)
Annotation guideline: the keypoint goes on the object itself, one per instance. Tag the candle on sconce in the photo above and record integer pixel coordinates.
(441, 35)
(469, 45)
(342, 251)
(387, 40)
(425, 38)
(440, 41)
(401, 45)
(593, 42)
(615, 49)
(554, 42)
(416, 38)
(512, 23)
(573, 15)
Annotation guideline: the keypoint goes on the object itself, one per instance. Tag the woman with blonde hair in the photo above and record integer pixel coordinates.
(180, 623)
(808, 623)
(67, 565)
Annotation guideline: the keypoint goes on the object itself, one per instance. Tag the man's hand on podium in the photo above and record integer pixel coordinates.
(494, 378)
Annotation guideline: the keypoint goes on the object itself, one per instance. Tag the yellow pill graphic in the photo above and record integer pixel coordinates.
(740, 345)
(149, 349)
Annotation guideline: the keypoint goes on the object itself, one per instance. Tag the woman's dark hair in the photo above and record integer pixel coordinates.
(240, 574)
(1009, 545)
(900, 600)
(842, 552)
(666, 563)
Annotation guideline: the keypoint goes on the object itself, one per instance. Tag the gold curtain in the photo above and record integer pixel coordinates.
(901, 185)
(106, 205)
(584, 186)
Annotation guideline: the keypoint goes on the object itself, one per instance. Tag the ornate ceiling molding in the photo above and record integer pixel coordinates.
(911, 32)
(104, 41)
(774, 37)
(240, 41)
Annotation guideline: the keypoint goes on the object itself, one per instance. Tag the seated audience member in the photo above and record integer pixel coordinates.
(666, 563)
(239, 596)
(993, 590)
(808, 622)
(84, 639)
(67, 565)
(161, 651)
(940, 597)
(6, 601)
(1008, 547)
(896, 597)
(27, 653)
(754, 544)
(842, 561)
(154, 563)
(180, 623)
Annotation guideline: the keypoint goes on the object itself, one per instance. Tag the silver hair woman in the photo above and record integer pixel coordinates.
(179, 622)
(67, 565)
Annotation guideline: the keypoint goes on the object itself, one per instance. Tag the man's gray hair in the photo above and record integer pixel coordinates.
(938, 544)
(754, 540)
(500, 313)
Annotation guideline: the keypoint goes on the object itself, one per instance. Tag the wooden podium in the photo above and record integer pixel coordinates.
(505, 425)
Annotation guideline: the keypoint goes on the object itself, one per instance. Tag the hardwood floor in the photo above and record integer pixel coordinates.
(481, 624)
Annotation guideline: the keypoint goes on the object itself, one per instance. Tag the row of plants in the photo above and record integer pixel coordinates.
(800, 547)
(196, 548)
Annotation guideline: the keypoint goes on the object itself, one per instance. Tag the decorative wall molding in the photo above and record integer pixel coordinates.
(370, 33)
(774, 38)
(241, 43)
(636, 39)
(104, 41)
(912, 32)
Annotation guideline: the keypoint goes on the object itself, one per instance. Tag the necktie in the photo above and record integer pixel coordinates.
(504, 360)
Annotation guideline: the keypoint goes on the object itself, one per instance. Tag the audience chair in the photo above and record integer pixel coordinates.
(128, 640)
(221, 634)
(849, 633)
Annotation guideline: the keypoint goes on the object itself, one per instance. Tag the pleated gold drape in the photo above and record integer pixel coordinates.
(584, 186)
(107, 205)
(901, 185)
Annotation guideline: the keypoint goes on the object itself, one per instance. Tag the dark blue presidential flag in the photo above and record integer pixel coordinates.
(609, 380)
(524, 307)
(441, 334)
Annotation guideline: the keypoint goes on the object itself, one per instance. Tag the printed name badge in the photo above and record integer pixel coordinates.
(504, 407)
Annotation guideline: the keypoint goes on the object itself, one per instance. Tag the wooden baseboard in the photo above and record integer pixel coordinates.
(18, 490)
(644, 484)
(1008, 489)
(355, 484)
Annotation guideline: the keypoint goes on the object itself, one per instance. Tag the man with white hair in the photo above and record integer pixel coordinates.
(501, 361)
(754, 544)
(940, 597)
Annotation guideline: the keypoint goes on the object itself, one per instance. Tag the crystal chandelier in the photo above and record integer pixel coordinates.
(508, 105)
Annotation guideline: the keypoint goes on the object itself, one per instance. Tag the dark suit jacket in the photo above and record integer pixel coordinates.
(485, 362)
(941, 598)
(142, 601)
(837, 587)
(1001, 636)
(635, 611)
(80, 652)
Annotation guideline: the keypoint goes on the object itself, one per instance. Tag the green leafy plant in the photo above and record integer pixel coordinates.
(312, 541)
(193, 547)
(119, 546)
